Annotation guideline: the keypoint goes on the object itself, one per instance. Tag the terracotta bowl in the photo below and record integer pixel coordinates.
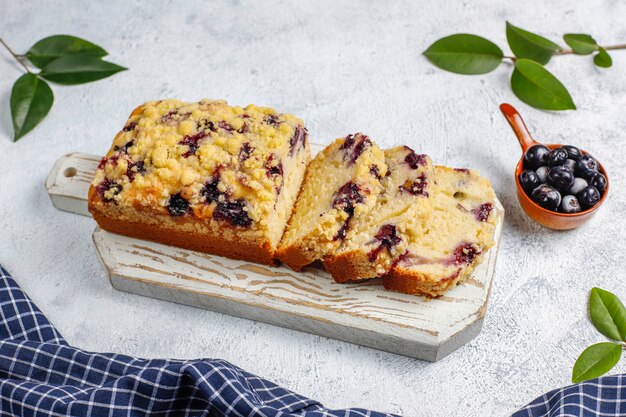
(545, 217)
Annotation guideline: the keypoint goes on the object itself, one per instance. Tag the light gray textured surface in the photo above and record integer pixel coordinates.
(342, 67)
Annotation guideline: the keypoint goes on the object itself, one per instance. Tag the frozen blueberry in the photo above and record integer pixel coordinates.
(414, 160)
(223, 124)
(535, 156)
(354, 146)
(273, 120)
(556, 157)
(570, 164)
(598, 181)
(245, 151)
(589, 197)
(572, 152)
(569, 204)
(178, 205)
(375, 171)
(419, 187)
(192, 142)
(465, 253)
(529, 180)
(561, 178)
(347, 196)
(388, 239)
(547, 197)
(108, 185)
(586, 167)
(542, 173)
(210, 191)
(579, 185)
(234, 212)
(482, 212)
(298, 140)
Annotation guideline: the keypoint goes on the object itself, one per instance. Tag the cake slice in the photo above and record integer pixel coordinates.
(204, 176)
(375, 241)
(342, 183)
(458, 232)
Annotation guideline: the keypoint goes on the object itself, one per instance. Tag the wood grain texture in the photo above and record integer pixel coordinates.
(68, 181)
(363, 313)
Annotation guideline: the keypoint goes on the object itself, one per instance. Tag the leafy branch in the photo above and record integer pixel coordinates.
(530, 81)
(62, 59)
(608, 315)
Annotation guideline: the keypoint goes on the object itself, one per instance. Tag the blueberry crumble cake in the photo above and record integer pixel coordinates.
(375, 241)
(342, 184)
(239, 182)
(457, 233)
(204, 176)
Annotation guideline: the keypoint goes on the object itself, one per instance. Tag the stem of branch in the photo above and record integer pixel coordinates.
(16, 56)
(608, 48)
(512, 58)
(621, 46)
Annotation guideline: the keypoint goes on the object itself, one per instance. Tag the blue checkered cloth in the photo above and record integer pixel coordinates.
(605, 396)
(42, 375)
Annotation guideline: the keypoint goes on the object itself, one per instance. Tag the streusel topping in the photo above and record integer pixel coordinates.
(205, 159)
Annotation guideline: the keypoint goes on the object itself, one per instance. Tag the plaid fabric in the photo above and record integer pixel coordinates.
(42, 375)
(605, 396)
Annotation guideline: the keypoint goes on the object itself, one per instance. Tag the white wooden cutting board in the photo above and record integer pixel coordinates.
(310, 301)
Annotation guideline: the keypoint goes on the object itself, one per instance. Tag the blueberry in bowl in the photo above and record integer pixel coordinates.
(572, 183)
(561, 178)
(569, 204)
(598, 181)
(586, 167)
(556, 157)
(536, 156)
(547, 197)
(530, 180)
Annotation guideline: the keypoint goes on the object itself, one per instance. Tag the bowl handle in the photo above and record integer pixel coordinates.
(519, 127)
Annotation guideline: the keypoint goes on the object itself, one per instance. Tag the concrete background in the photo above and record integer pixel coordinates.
(342, 67)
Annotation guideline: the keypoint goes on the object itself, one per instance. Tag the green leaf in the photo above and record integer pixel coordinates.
(78, 69)
(53, 47)
(31, 99)
(602, 58)
(528, 45)
(596, 360)
(607, 314)
(536, 86)
(580, 43)
(465, 54)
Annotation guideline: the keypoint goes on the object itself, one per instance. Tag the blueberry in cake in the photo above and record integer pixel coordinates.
(458, 232)
(342, 183)
(204, 176)
(376, 240)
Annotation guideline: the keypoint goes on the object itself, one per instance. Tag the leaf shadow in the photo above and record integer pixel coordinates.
(6, 125)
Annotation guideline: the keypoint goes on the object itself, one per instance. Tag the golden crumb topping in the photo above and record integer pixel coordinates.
(204, 159)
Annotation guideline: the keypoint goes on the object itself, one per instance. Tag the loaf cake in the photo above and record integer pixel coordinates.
(458, 232)
(376, 240)
(342, 183)
(204, 176)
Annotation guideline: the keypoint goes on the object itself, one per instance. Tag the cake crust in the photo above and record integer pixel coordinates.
(349, 266)
(251, 249)
(406, 281)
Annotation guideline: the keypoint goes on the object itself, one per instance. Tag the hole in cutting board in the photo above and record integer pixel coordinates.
(70, 172)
